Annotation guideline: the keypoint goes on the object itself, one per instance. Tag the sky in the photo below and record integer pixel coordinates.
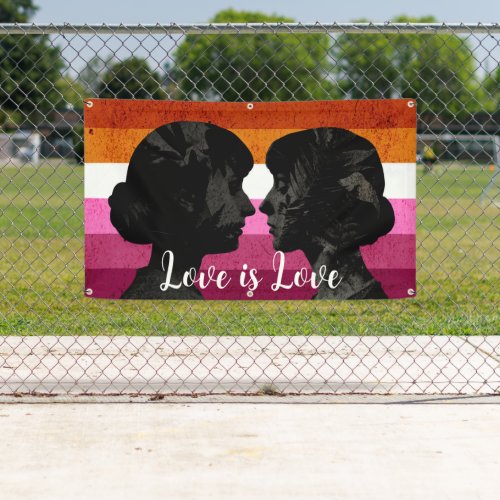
(79, 51)
(200, 11)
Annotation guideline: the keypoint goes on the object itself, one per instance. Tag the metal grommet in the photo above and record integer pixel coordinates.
(89, 291)
(249, 105)
(89, 104)
(411, 291)
(411, 104)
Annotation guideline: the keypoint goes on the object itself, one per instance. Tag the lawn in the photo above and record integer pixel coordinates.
(41, 250)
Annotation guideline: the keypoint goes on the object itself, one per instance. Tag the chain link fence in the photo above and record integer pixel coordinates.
(53, 340)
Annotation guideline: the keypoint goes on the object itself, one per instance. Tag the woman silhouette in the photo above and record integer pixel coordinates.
(183, 194)
(327, 200)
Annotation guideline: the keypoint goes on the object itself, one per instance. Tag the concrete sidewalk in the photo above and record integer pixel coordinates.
(233, 451)
(306, 365)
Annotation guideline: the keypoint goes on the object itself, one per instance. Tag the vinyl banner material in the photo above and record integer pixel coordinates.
(250, 201)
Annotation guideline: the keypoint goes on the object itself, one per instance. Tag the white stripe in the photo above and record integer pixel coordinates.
(101, 178)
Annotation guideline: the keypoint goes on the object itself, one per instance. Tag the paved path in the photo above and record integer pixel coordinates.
(265, 451)
(306, 365)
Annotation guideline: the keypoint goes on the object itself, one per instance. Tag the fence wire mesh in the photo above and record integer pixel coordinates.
(54, 340)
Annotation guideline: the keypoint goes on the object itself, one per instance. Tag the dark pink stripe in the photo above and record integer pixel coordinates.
(108, 283)
(97, 217)
(108, 251)
(111, 283)
(393, 251)
(397, 283)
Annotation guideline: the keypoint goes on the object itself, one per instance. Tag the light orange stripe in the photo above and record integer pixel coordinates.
(110, 145)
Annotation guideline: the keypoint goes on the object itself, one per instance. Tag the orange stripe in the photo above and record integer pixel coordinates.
(120, 113)
(104, 145)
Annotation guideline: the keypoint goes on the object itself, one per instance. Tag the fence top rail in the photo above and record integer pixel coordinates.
(246, 28)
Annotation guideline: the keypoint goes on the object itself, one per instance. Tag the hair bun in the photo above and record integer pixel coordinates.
(130, 214)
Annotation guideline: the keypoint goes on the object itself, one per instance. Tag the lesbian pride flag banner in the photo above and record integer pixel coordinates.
(250, 201)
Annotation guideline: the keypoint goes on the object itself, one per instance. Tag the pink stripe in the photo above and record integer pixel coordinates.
(111, 283)
(108, 251)
(97, 219)
(96, 216)
(257, 224)
(405, 214)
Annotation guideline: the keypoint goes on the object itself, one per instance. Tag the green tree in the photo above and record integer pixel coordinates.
(437, 70)
(131, 79)
(16, 11)
(253, 67)
(491, 88)
(365, 66)
(29, 66)
(71, 93)
(91, 77)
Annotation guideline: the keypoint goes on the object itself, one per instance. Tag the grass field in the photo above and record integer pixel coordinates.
(41, 250)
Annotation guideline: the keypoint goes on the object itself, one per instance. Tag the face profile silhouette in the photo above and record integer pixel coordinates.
(183, 193)
(327, 200)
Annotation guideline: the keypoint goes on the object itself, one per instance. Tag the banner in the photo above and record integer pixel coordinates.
(250, 201)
